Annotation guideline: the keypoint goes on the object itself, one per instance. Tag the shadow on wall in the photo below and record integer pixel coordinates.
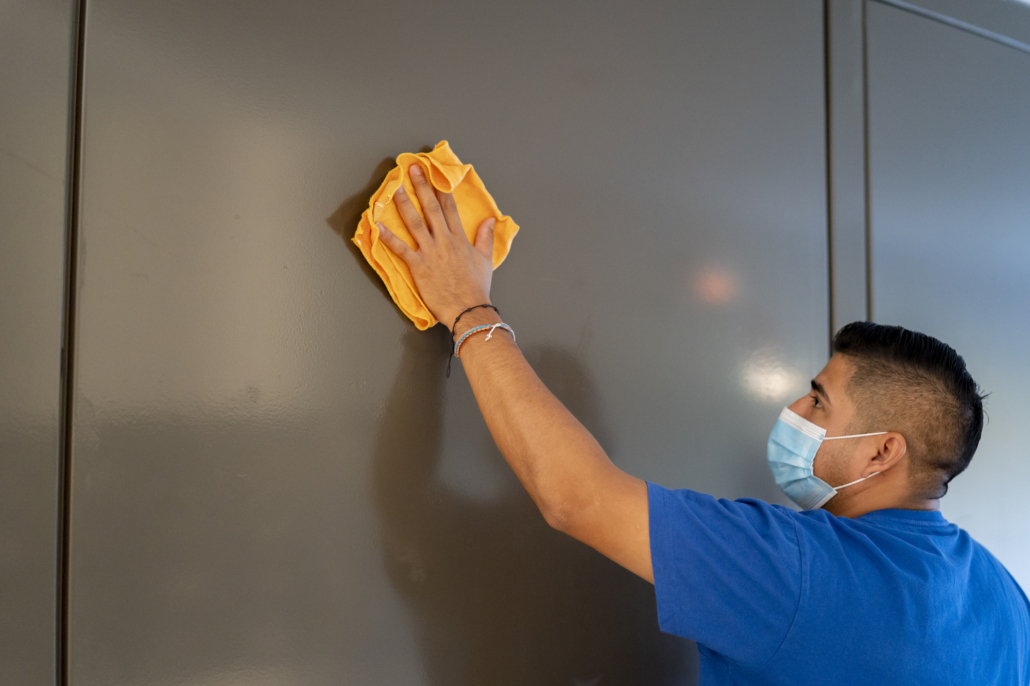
(344, 221)
(500, 597)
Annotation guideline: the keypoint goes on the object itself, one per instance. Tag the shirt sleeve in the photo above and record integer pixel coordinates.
(727, 573)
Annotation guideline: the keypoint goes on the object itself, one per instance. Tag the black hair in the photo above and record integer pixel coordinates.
(909, 382)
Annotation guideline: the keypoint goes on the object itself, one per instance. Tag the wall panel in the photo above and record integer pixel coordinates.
(950, 159)
(35, 57)
(273, 481)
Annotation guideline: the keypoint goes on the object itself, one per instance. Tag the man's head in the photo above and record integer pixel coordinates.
(916, 388)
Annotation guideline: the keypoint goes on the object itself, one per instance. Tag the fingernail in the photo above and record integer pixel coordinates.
(381, 227)
(400, 189)
(415, 169)
(493, 222)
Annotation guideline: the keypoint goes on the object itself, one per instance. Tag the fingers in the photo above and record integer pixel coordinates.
(399, 247)
(450, 212)
(411, 218)
(427, 197)
(485, 238)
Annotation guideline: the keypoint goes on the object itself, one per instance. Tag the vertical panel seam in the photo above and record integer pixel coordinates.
(73, 175)
(867, 166)
(828, 123)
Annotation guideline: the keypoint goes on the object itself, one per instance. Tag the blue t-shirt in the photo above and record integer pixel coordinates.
(774, 596)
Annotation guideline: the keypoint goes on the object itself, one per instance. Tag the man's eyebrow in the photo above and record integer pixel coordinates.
(818, 388)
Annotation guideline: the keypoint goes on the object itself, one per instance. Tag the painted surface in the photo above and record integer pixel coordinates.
(35, 49)
(950, 159)
(273, 482)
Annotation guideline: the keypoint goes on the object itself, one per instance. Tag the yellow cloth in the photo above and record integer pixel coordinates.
(475, 204)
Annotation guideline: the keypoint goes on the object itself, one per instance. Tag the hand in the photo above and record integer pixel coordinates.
(450, 273)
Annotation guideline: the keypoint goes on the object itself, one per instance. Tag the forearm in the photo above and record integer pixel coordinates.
(554, 456)
(565, 471)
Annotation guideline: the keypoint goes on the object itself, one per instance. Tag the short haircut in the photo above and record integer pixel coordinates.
(914, 384)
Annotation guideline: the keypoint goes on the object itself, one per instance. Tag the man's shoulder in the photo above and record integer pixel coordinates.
(680, 503)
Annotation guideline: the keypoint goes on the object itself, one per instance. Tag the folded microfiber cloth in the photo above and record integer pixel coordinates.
(446, 172)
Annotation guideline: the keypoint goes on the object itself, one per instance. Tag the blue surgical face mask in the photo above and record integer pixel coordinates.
(792, 447)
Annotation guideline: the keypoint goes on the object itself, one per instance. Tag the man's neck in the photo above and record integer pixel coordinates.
(856, 507)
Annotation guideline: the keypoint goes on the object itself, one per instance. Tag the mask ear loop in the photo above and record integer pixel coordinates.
(834, 438)
(837, 488)
(875, 433)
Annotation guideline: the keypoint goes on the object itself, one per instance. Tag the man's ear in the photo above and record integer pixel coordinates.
(892, 447)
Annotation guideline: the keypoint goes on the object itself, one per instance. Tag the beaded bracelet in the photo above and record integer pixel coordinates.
(464, 336)
(484, 327)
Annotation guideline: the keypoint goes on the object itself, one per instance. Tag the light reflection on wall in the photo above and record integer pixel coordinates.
(716, 284)
(248, 675)
(766, 377)
(219, 250)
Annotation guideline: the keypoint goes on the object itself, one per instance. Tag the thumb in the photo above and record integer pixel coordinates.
(485, 238)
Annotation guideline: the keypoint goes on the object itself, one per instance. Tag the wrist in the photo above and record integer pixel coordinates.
(467, 306)
(470, 320)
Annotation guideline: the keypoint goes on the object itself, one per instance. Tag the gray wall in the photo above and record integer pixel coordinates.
(273, 483)
(35, 57)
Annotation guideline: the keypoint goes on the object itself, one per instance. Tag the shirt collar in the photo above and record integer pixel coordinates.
(911, 517)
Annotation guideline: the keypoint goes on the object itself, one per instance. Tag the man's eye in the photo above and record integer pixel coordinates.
(815, 401)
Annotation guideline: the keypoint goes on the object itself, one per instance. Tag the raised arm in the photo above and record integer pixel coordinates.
(566, 472)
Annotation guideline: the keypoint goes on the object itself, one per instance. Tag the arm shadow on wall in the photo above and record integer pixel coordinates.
(498, 596)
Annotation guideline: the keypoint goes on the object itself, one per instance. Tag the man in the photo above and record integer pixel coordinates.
(870, 586)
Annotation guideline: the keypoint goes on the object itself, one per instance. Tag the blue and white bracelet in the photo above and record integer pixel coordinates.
(476, 329)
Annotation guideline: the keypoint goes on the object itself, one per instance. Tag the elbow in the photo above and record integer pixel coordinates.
(556, 517)
(562, 515)
(570, 510)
